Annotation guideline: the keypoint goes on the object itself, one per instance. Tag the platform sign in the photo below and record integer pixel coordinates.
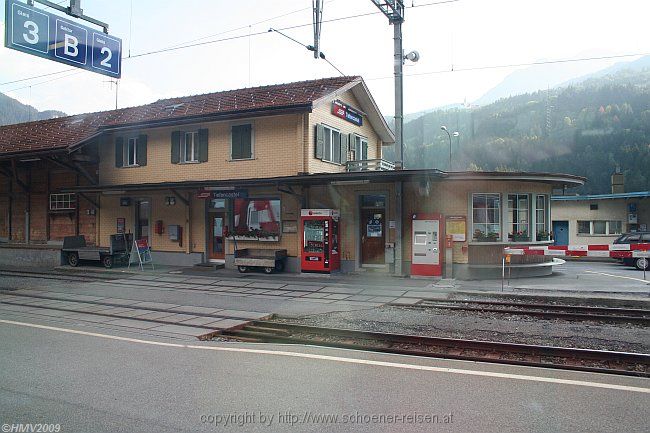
(35, 31)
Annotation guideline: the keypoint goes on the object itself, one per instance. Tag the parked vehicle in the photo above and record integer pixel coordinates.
(75, 249)
(640, 263)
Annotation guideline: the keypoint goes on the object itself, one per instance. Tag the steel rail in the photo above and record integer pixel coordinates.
(449, 348)
(568, 312)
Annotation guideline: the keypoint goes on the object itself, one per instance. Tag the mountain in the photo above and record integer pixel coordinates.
(12, 111)
(552, 75)
(637, 65)
(588, 129)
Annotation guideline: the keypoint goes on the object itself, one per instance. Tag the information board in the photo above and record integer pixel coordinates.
(142, 251)
(43, 34)
(456, 226)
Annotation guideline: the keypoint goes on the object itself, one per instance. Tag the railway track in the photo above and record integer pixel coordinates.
(624, 363)
(548, 311)
(57, 275)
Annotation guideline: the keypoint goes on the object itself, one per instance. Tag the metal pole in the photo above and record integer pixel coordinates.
(398, 54)
(399, 142)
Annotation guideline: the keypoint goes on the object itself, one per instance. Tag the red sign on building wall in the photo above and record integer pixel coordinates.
(344, 111)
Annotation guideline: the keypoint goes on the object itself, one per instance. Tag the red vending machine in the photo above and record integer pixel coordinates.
(320, 240)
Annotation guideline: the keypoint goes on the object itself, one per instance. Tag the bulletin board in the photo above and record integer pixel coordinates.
(456, 226)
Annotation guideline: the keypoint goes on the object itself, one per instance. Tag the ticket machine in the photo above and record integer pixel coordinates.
(427, 244)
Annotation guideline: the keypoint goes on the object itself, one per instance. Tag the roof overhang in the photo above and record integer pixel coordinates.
(344, 178)
(558, 180)
(593, 197)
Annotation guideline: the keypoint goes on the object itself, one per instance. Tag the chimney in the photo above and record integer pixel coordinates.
(618, 181)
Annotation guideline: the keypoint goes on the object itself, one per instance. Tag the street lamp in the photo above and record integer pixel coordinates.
(455, 134)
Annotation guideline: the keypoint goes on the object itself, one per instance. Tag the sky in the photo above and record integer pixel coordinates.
(458, 35)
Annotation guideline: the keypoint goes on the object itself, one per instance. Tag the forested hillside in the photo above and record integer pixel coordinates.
(586, 129)
(12, 111)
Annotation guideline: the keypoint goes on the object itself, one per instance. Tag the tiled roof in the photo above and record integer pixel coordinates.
(60, 133)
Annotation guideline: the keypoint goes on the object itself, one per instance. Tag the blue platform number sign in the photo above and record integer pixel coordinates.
(35, 31)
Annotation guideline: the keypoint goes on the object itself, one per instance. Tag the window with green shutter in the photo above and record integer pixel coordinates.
(241, 142)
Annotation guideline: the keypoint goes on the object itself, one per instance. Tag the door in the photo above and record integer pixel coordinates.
(216, 240)
(142, 217)
(561, 232)
(373, 232)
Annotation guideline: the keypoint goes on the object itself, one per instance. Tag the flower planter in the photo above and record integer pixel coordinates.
(543, 238)
(521, 239)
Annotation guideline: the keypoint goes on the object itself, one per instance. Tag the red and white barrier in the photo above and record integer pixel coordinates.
(610, 250)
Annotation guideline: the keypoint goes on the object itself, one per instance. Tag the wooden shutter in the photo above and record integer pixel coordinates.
(352, 147)
(141, 151)
(320, 141)
(235, 146)
(246, 141)
(344, 148)
(203, 145)
(364, 151)
(176, 147)
(119, 152)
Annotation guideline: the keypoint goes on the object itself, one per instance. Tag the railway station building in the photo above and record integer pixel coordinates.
(201, 176)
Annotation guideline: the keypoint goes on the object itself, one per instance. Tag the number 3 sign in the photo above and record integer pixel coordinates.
(43, 34)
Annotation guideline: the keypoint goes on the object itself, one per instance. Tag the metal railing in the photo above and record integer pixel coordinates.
(370, 165)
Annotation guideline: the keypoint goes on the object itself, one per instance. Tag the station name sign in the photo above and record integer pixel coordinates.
(43, 34)
(344, 111)
(208, 194)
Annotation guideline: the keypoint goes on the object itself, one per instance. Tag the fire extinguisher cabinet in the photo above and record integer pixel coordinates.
(320, 240)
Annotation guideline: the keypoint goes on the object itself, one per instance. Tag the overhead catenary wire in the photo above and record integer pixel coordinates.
(190, 43)
(452, 69)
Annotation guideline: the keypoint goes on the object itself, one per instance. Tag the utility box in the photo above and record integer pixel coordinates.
(174, 232)
(427, 248)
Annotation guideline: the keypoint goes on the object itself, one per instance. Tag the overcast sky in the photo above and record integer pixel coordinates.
(465, 34)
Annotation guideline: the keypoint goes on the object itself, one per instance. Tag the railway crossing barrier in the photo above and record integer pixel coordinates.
(616, 251)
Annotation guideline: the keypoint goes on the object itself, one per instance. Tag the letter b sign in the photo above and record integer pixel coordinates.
(71, 42)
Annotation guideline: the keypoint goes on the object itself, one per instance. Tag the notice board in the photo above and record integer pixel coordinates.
(456, 226)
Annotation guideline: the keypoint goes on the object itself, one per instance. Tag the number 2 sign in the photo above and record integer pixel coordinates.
(43, 34)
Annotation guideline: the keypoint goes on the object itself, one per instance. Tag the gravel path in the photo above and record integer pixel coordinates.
(487, 326)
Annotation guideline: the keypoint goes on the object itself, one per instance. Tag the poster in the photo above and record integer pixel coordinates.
(257, 217)
(456, 226)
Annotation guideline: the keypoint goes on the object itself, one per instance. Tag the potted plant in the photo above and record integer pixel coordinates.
(543, 235)
(480, 236)
(520, 236)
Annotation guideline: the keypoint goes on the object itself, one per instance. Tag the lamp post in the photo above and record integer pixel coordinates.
(456, 134)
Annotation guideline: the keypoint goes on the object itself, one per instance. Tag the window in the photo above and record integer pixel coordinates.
(486, 217)
(331, 145)
(360, 148)
(541, 218)
(593, 207)
(599, 227)
(131, 152)
(518, 216)
(66, 201)
(190, 147)
(615, 227)
(241, 142)
(584, 227)
(332, 149)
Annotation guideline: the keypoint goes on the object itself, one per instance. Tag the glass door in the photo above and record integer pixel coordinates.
(216, 244)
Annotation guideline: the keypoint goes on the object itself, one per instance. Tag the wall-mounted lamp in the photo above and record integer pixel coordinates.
(170, 201)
